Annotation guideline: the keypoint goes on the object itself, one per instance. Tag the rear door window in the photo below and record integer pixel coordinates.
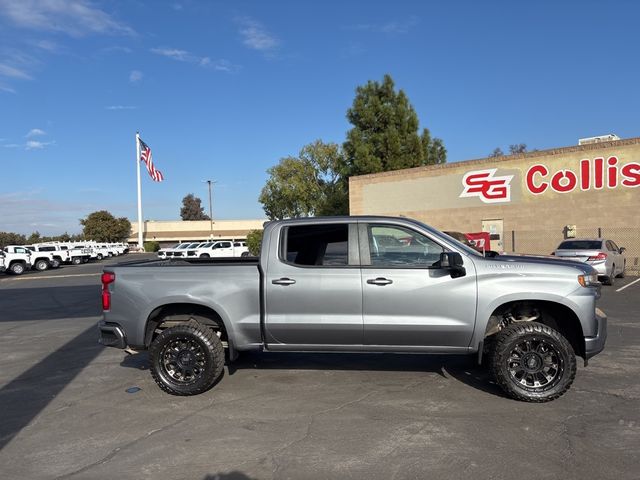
(580, 245)
(317, 245)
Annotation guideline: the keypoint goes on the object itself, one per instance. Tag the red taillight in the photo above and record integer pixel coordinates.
(600, 256)
(107, 278)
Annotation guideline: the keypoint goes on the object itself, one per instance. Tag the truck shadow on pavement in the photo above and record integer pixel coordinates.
(462, 368)
(228, 476)
(23, 398)
(49, 303)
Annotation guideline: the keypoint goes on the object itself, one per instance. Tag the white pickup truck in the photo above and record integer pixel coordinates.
(42, 260)
(219, 249)
(17, 259)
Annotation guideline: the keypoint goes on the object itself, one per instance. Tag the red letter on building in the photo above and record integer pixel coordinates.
(531, 186)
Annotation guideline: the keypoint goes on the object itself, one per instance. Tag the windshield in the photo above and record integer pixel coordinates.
(580, 245)
(459, 245)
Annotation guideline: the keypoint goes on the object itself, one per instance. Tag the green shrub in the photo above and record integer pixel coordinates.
(151, 246)
(254, 240)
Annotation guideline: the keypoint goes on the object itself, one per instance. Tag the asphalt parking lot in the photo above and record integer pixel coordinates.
(66, 411)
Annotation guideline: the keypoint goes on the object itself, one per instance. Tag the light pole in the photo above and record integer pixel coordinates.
(210, 182)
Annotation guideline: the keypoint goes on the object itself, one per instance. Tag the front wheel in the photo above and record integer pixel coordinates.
(55, 263)
(41, 265)
(76, 260)
(610, 279)
(532, 362)
(17, 268)
(186, 359)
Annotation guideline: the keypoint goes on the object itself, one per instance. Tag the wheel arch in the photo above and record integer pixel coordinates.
(183, 312)
(554, 314)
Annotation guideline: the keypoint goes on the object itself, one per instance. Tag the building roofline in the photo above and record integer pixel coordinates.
(504, 158)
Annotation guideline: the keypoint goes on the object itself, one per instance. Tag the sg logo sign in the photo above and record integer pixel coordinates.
(487, 186)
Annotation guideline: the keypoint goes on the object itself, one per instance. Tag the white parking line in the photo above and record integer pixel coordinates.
(628, 285)
(58, 276)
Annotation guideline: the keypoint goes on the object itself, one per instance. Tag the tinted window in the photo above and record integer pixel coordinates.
(398, 247)
(319, 245)
(47, 249)
(580, 245)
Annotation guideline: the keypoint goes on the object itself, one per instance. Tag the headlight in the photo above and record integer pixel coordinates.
(588, 280)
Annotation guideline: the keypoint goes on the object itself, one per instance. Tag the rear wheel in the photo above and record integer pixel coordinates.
(55, 263)
(76, 260)
(186, 359)
(532, 362)
(17, 268)
(204, 255)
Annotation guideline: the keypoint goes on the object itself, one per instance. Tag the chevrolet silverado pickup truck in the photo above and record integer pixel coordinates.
(337, 284)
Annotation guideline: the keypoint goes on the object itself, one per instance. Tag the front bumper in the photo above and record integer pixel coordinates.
(111, 335)
(594, 345)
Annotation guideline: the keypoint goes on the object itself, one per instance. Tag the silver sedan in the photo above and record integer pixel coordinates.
(604, 255)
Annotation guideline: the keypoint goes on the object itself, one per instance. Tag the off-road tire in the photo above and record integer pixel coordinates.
(41, 265)
(208, 351)
(17, 268)
(504, 363)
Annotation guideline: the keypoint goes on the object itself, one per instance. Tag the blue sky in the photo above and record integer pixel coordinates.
(223, 90)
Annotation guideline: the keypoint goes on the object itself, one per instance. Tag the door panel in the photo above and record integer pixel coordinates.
(414, 304)
(317, 295)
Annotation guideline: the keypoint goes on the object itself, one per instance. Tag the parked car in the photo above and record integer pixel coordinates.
(344, 284)
(604, 255)
(169, 252)
(17, 259)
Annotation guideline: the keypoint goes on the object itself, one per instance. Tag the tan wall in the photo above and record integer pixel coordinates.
(194, 230)
(432, 194)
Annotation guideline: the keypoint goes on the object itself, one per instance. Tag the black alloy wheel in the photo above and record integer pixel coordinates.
(532, 362)
(186, 359)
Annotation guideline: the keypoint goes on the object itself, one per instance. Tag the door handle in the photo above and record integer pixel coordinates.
(379, 281)
(283, 281)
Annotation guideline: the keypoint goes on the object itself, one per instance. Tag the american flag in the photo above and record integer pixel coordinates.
(145, 156)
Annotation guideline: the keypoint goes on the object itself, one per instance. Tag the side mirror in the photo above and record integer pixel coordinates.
(452, 261)
(492, 253)
(622, 249)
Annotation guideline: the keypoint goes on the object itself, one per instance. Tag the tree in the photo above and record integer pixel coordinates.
(306, 185)
(385, 132)
(10, 238)
(517, 148)
(101, 226)
(35, 238)
(254, 241)
(192, 208)
(497, 153)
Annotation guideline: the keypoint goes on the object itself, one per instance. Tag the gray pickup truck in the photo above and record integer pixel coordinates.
(358, 284)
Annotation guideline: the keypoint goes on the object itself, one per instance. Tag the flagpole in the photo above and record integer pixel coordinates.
(140, 241)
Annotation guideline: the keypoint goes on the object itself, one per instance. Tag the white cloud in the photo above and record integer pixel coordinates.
(176, 54)
(11, 145)
(34, 132)
(391, 28)
(74, 17)
(221, 65)
(255, 36)
(13, 72)
(135, 76)
(47, 45)
(36, 145)
(121, 107)
(6, 89)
